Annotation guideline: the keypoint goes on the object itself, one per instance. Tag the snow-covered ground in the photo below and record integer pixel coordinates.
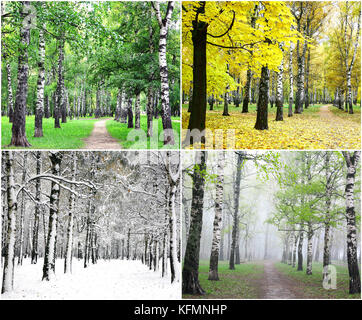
(112, 280)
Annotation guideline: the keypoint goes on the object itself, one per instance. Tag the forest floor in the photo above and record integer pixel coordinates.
(113, 280)
(241, 283)
(100, 138)
(310, 286)
(318, 127)
(270, 280)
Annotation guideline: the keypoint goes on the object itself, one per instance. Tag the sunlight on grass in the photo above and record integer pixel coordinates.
(70, 136)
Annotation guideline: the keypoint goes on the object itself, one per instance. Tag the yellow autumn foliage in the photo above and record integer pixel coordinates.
(274, 22)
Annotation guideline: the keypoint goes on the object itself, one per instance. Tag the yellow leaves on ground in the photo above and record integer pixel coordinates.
(297, 132)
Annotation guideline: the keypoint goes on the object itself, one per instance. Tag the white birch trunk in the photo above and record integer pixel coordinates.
(8, 270)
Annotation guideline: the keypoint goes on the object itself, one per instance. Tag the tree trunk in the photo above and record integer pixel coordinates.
(350, 67)
(300, 249)
(38, 132)
(128, 244)
(272, 95)
(22, 211)
(279, 96)
(49, 257)
(198, 112)
(235, 232)
(300, 80)
(173, 235)
(8, 269)
(354, 276)
(294, 250)
(59, 101)
(215, 245)
(137, 112)
(306, 105)
(247, 92)
(18, 137)
(130, 113)
(309, 249)
(165, 91)
(327, 225)
(226, 105)
(349, 93)
(190, 272)
(98, 103)
(34, 252)
(69, 244)
(262, 112)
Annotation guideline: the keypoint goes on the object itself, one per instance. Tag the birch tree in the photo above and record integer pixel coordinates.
(215, 248)
(165, 94)
(9, 261)
(38, 132)
(18, 137)
(49, 257)
(352, 160)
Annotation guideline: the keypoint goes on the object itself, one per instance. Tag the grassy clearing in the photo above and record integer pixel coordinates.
(70, 136)
(241, 283)
(120, 132)
(312, 285)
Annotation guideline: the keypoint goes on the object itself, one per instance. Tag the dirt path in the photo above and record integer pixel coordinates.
(275, 285)
(100, 138)
(326, 114)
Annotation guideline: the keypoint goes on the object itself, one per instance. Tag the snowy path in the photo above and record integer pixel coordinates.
(275, 285)
(100, 138)
(110, 280)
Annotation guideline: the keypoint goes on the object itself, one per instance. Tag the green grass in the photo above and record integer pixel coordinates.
(311, 285)
(120, 132)
(241, 283)
(70, 136)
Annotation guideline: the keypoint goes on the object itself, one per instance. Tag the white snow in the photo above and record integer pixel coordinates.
(111, 280)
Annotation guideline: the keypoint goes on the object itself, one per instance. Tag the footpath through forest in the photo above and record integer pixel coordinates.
(275, 285)
(100, 138)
